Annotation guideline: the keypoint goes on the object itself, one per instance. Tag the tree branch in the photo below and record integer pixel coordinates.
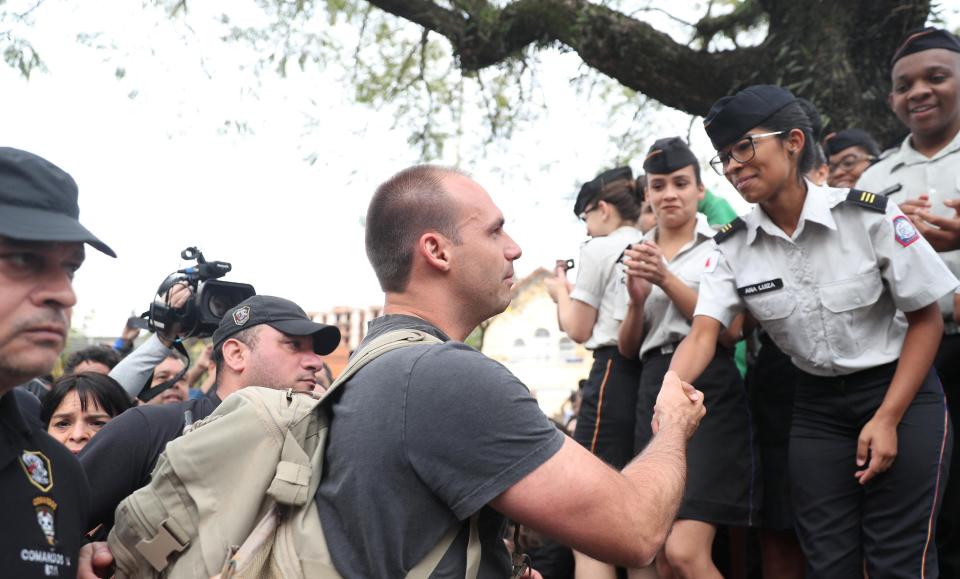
(605, 39)
(743, 16)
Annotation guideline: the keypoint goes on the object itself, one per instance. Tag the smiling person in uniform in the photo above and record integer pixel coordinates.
(825, 271)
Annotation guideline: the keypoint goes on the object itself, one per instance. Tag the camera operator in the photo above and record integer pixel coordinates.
(263, 341)
(155, 361)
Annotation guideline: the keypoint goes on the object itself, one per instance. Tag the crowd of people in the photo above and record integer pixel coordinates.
(788, 371)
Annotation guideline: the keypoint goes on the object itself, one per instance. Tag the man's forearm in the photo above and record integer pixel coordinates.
(658, 476)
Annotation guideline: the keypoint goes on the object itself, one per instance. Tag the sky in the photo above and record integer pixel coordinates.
(161, 167)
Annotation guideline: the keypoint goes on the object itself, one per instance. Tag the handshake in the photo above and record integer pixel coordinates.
(679, 405)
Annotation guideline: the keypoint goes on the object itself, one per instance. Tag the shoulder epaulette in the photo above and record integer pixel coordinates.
(729, 230)
(868, 200)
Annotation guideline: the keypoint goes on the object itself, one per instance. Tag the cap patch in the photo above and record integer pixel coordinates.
(904, 231)
(241, 315)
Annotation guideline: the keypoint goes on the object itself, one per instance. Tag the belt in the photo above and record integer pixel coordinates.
(663, 350)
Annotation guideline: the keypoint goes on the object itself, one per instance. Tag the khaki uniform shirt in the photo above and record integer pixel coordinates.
(601, 282)
(663, 323)
(828, 295)
(937, 176)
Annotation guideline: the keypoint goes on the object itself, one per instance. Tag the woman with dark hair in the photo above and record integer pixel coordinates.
(78, 406)
(843, 283)
(609, 205)
(663, 274)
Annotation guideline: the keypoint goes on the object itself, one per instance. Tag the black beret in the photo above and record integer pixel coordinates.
(667, 155)
(732, 116)
(926, 39)
(591, 189)
(836, 142)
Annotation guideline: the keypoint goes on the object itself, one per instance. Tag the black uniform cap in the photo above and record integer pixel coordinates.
(38, 201)
(926, 39)
(281, 315)
(667, 155)
(732, 116)
(591, 189)
(836, 142)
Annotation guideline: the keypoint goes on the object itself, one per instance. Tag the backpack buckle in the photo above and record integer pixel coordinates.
(169, 538)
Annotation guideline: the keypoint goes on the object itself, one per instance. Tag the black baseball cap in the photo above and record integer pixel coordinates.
(281, 315)
(732, 116)
(38, 201)
(926, 39)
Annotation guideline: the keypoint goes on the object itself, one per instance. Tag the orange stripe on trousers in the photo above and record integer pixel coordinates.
(596, 426)
(936, 493)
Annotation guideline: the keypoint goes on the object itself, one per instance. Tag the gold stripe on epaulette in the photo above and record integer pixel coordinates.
(867, 197)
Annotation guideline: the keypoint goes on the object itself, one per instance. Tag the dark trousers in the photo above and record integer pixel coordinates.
(948, 528)
(606, 418)
(889, 522)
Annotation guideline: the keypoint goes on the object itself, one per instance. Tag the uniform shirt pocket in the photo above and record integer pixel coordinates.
(846, 306)
(773, 311)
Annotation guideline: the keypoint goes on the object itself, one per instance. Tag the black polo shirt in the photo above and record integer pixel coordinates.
(44, 498)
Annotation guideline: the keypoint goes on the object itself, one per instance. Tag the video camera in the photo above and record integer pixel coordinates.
(211, 298)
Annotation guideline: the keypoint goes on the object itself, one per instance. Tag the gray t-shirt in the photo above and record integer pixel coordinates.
(421, 439)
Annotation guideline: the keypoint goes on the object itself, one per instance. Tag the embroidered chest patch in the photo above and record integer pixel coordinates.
(904, 231)
(37, 466)
(759, 288)
(46, 509)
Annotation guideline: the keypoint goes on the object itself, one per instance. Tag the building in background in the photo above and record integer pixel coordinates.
(526, 338)
(352, 323)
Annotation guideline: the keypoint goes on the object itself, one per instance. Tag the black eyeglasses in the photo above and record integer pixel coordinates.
(743, 151)
(848, 162)
(583, 215)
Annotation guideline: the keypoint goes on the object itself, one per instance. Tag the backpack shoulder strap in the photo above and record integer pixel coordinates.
(379, 346)
(431, 561)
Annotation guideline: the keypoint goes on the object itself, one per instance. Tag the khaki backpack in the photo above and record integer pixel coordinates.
(233, 498)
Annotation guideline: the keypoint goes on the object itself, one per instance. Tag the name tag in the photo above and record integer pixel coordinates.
(759, 288)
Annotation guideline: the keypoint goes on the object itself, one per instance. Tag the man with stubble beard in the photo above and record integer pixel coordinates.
(43, 489)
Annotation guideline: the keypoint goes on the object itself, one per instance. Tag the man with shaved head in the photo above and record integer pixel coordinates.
(440, 441)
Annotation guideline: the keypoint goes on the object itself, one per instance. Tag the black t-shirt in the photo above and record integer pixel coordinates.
(120, 458)
(44, 497)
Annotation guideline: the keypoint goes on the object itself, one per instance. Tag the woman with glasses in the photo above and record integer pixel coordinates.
(663, 274)
(825, 271)
(850, 152)
(609, 205)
